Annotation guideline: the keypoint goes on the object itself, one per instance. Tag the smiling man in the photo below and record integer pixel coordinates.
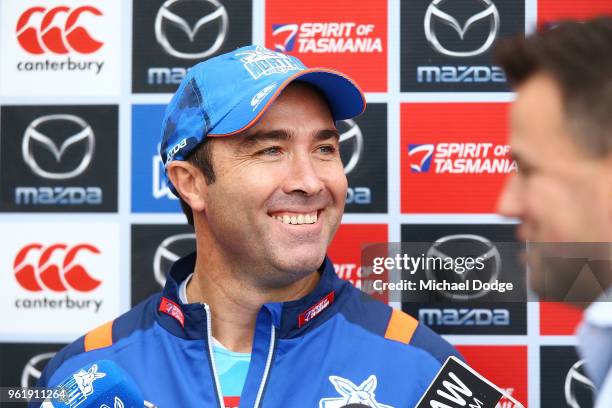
(257, 316)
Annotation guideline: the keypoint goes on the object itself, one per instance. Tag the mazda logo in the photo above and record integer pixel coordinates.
(166, 16)
(478, 246)
(434, 13)
(33, 369)
(353, 134)
(168, 252)
(34, 136)
(578, 388)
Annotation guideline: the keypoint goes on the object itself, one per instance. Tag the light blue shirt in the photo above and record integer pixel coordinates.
(595, 347)
(231, 367)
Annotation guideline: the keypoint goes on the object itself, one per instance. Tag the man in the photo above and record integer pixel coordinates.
(250, 146)
(561, 137)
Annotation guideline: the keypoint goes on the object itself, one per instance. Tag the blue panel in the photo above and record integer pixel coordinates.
(149, 191)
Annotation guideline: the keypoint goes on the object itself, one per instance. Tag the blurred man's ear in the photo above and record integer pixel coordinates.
(190, 183)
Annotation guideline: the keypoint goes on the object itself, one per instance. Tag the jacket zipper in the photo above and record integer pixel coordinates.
(264, 380)
(211, 356)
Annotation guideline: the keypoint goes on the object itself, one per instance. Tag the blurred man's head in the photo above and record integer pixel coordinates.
(561, 137)
(561, 132)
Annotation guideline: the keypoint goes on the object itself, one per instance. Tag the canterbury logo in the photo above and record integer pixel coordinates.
(48, 36)
(50, 273)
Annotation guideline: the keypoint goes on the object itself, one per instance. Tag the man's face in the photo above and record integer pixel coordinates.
(280, 188)
(561, 194)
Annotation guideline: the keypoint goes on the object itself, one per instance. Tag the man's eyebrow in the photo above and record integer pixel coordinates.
(326, 134)
(262, 136)
(284, 135)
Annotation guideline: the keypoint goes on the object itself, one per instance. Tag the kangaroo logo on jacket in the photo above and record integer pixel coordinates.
(353, 395)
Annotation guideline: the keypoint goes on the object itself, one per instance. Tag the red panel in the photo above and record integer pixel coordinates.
(333, 34)
(464, 181)
(558, 319)
(345, 249)
(555, 10)
(504, 366)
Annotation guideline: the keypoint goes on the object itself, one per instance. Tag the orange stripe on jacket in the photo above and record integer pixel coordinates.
(99, 337)
(401, 327)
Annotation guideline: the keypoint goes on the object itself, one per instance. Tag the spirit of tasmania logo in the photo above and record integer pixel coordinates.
(333, 34)
(462, 158)
(327, 37)
(455, 165)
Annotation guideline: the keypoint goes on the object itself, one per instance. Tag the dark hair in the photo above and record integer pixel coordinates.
(578, 56)
(201, 158)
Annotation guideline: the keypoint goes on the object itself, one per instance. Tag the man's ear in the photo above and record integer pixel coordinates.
(189, 182)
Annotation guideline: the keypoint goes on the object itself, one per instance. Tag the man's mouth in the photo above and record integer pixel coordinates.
(295, 218)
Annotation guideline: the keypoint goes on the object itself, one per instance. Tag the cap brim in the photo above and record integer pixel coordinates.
(345, 98)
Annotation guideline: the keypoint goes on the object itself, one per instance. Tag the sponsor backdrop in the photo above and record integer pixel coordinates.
(89, 228)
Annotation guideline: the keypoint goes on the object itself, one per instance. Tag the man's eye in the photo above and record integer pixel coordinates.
(327, 149)
(523, 169)
(270, 151)
(526, 171)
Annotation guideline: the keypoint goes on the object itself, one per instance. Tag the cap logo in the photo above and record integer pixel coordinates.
(263, 62)
(175, 149)
(261, 95)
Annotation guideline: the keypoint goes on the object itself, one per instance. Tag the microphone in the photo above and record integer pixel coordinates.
(459, 385)
(102, 384)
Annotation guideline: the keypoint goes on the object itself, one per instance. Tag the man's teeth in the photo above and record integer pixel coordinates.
(298, 219)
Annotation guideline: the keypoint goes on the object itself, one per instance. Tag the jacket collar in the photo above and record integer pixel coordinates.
(291, 319)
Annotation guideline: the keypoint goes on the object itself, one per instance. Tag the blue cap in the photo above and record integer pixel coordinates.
(227, 94)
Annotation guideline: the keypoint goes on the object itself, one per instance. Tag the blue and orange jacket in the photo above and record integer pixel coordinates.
(332, 348)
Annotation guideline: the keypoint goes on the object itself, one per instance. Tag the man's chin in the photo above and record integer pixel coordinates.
(300, 265)
(303, 266)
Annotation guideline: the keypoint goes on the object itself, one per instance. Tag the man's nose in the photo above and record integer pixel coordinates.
(303, 176)
(510, 202)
